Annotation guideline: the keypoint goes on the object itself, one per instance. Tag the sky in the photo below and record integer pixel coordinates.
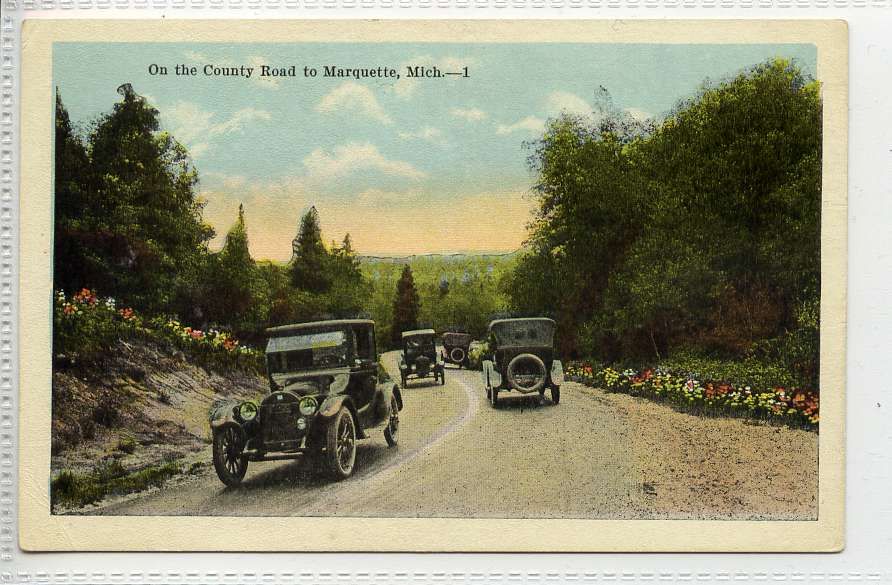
(407, 166)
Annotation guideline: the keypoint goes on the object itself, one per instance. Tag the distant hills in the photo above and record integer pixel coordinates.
(453, 257)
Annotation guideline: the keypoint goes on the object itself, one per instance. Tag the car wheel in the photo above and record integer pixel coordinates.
(494, 397)
(340, 444)
(393, 426)
(229, 463)
(556, 394)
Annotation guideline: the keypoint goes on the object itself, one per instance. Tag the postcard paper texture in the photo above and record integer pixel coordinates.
(433, 286)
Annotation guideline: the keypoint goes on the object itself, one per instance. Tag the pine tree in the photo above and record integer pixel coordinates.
(143, 230)
(237, 299)
(309, 263)
(72, 268)
(406, 306)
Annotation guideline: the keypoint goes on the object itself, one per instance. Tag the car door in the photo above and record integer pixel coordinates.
(365, 374)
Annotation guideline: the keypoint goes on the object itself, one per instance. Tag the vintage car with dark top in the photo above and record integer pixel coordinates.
(456, 347)
(420, 357)
(326, 392)
(521, 358)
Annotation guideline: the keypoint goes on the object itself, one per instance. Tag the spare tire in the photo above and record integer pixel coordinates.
(457, 355)
(526, 373)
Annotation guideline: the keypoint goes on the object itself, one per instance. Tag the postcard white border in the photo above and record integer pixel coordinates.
(39, 530)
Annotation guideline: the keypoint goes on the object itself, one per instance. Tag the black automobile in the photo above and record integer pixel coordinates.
(521, 358)
(420, 357)
(456, 347)
(325, 394)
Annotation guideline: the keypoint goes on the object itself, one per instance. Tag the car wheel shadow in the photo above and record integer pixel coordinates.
(511, 401)
(308, 472)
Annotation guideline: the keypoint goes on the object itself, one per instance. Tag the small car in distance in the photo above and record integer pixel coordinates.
(325, 394)
(521, 358)
(420, 357)
(456, 347)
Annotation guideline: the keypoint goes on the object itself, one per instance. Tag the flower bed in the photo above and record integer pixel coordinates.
(86, 325)
(682, 390)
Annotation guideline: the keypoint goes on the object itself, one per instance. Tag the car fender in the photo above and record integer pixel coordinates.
(557, 372)
(490, 375)
(223, 413)
(332, 405)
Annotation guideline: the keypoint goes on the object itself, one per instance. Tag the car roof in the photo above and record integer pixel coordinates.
(520, 319)
(317, 325)
(415, 332)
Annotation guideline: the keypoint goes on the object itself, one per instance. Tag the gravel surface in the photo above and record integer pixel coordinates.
(596, 455)
(717, 468)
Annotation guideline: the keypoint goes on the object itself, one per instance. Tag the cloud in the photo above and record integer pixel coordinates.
(639, 114)
(375, 197)
(427, 134)
(564, 102)
(529, 125)
(322, 166)
(469, 114)
(353, 97)
(196, 128)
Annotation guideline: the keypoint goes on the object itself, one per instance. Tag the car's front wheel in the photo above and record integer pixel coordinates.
(393, 425)
(229, 463)
(340, 444)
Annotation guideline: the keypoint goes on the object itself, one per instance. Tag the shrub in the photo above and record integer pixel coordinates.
(708, 392)
(88, 326)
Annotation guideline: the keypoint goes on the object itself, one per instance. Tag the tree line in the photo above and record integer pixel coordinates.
(128, 223)
(697, 233)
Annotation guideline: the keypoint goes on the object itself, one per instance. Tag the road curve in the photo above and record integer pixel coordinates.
(457, 457)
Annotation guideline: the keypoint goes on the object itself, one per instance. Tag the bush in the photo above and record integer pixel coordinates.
(87, 326)
(708, 391)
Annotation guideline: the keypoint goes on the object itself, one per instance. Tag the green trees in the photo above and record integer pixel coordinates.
(129, 222)
(309, 265)
(701, 232)
(406, 306)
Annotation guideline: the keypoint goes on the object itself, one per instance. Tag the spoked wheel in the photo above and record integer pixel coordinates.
(556, 394)
(393, 426)
(340, 444)
(229, 463)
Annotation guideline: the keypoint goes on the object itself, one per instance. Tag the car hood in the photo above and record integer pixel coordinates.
(315, 382)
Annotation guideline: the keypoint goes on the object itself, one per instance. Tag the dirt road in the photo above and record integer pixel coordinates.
(592, 456)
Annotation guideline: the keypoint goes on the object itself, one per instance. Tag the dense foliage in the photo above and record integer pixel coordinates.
(709, 393)
(129, 226)
(697, 233)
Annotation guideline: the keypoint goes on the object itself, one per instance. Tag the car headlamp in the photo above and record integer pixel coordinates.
(247, 411)
(307, 405)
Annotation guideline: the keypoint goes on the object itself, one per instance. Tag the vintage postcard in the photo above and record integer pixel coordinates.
(433, 286)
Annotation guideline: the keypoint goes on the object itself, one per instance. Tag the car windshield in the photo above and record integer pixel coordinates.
(420, 342)
(306, 351)
(539, 333)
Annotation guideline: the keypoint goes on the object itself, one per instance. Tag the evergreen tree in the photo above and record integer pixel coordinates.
(309, 263)
(139, 234)
(406, 306)
(72, 266)
(238, 299)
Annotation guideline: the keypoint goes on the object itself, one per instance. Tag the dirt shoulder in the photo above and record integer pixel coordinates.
(137, 420)
(694, 467)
